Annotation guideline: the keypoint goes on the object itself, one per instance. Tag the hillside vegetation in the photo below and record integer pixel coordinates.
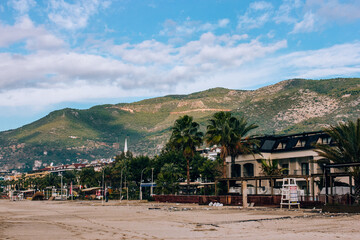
(71, 135)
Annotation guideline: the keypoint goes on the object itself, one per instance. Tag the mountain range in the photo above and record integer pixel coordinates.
(72, 135)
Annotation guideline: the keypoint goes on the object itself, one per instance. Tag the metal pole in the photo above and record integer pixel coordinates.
(326, 188)
(61, 191)
(152, 181)
(103, 177)
(140, 197)
(121, 182)
(72, 194)
(350, 193)
(127, 190)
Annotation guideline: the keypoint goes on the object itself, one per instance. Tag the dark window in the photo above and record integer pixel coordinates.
(237, 170)
(268, 145)
(305, 168)
(286, 167)
(248, 170)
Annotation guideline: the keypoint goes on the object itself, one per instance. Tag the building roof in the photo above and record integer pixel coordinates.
(294, 142)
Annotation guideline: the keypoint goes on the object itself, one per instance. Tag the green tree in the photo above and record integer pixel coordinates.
(346, 150)
(229, 133)
(168, 179)
(186, 137)
(270, 168)
(210, 170)
(89, 178)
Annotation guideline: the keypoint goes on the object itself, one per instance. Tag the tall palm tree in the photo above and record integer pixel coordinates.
(186, 137)
(346, 150)
(229, 132)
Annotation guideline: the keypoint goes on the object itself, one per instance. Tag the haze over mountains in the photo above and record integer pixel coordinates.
(71, 135)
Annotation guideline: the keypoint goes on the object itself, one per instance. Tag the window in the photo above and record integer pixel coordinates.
(248, 170)
(286, 167)
(237, 170)
(304, 168)
(324, 140)
(281, 145)
(300, 143)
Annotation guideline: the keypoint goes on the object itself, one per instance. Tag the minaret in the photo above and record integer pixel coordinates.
(125, 147)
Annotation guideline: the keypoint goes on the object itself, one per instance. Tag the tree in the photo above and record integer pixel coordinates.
(168, 179)
(210, 170)
(346, 137)
(186, 137)
(270, 168)
(90, 178)
(229, 132)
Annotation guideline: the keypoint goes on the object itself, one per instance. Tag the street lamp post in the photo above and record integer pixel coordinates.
(103, 178)
(152, 181)
(140, 183)
(61, 191)
(121, 174)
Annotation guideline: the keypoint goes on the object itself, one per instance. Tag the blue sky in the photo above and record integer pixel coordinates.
(67, 53)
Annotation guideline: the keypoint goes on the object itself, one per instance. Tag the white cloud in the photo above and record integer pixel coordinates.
(333, 10)
(74, 16)
(308, 24)
(285, 13)
(35, 37)
(22, 29)
(261, 5)
(149, 66)
(147, 52)
(189, 27)
(341, 60)
(34, 97)
(22, 6)
(255, 16)
(247, 22)
(223, 22)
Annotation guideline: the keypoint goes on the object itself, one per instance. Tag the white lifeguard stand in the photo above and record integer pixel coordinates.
(289, 194)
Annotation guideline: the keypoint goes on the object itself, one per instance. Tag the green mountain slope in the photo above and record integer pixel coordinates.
(70, 135)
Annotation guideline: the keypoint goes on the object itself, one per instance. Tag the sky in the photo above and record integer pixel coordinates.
(80, 53)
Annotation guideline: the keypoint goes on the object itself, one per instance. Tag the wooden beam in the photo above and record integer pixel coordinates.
(256, 186)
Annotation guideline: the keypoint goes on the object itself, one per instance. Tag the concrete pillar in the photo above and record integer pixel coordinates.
(244, 193)
(313, 188)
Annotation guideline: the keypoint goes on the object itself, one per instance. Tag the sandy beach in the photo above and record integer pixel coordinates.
(135, 220)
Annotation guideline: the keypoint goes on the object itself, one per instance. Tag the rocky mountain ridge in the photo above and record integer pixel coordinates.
(71, 135)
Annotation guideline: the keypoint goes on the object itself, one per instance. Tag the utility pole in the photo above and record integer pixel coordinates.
(61, 191)
(152, 182)
(140, 197)
(103, 195)
(121, 176)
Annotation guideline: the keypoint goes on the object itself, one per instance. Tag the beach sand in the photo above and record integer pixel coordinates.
(141, 220)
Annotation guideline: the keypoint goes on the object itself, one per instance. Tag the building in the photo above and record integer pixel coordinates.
(294, 153)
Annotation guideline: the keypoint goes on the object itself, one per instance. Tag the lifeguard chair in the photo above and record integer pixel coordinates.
(289, 194)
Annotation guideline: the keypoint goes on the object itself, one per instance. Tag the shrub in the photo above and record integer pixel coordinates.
(38, 196)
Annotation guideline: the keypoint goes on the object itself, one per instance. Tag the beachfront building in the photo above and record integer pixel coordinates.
(294, 153)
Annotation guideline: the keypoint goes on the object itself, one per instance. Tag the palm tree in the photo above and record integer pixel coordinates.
(229, 132)
(270, 168)
(346, 150)
(186, 137)
(168, 178)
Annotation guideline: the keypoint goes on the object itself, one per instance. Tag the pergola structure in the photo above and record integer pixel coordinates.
(310, 193)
